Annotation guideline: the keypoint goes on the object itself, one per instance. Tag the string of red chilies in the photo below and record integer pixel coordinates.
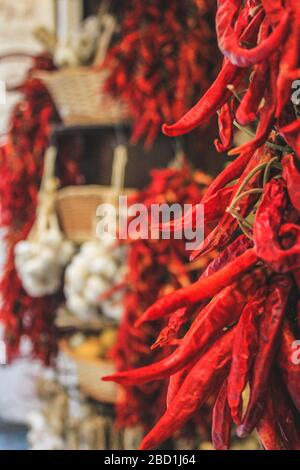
(164, 58)
(162, 265)
(243, 338)
(21, 166)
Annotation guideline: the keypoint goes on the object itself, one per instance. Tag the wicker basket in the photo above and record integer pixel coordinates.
(76, 207)
(76, 92)
(90, 373)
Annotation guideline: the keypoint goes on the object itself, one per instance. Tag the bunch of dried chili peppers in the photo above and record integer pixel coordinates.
(155, 267)
(21, 166)
(239, 347)
(164, 58)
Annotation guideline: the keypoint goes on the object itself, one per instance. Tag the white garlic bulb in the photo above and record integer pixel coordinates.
(52, 238)
(95, 287)
(113, 310)
(40, 263)
(91, 249)
(79, 307)
(93, 273)
(66, 252)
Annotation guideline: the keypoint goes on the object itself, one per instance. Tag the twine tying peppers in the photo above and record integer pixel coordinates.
(247, 302)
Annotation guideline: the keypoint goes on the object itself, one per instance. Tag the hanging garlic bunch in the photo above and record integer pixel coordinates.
(40, 263)
(99, 268)
(93, 272)
(41, 259)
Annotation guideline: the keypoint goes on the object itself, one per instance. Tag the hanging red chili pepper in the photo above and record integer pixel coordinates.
(250, 341)
(161, 264)
(164, 57)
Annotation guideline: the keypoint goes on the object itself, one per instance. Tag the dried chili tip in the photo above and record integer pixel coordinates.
(225, 124)
(270, 328)
(244, 345)
(168, 333)
(202, 289)
(222, 421)
(210, 102)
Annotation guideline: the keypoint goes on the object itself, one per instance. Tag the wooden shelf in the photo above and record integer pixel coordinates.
(65, 321)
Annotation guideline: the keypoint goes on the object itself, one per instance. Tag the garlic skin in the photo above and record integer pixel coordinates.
(92, 273)
(79, 307)
(113, 311)
(67, 250)
(52, 238)
(40, 263)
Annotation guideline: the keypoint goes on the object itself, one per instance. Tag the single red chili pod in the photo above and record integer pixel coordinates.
(248, 109)
(266, 113)
(169, 332)
(269, 329)
(249, 106)
(225, 122)
(244, 349)
(209, 104)
(221, 421)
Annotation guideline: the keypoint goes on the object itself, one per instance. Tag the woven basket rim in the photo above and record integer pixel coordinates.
(92, 190)
(71, 70)
(73, 110)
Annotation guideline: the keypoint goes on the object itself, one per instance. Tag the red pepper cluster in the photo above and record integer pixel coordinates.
(164, 58)
(243, 336)
(21, 166)
(155, 267)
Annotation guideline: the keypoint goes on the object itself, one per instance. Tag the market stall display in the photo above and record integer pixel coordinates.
(152, 345)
